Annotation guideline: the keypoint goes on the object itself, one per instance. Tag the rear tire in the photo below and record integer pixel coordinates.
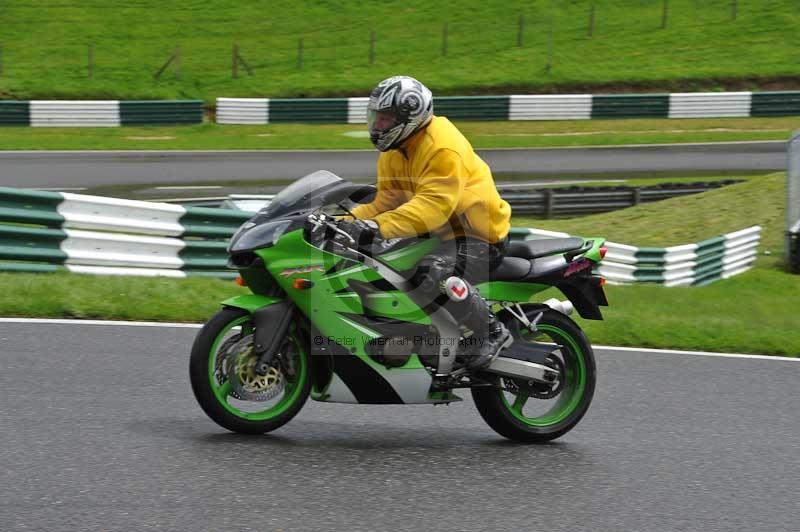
(569, 406)
(214, 397)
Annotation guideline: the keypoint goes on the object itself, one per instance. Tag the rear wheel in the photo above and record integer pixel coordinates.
(225, 384)
(532, 412)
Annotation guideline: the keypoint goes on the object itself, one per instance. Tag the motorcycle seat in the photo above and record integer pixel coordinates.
(511, 269)
(533, 249)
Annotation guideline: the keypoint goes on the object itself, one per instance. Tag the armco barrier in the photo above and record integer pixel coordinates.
(90, 234)
(690, 264)
(104, 113)
(13, 113)
(160, 112)
(74, 114)
(569, 201)
(630, 106)
(244, 111)
(473, 107)
(310, 110)
(703, 104)
(523, 107)
(550, 107)
(775, 104)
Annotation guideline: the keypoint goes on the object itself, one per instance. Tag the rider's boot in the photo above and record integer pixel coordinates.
(489, 335)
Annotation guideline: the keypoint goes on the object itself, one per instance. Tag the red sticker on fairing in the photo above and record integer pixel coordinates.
(456, 289)
(305, 269)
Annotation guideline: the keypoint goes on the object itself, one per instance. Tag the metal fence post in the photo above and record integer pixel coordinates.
(549, 203)
(793, 204)
(176, 58)
(234, 63)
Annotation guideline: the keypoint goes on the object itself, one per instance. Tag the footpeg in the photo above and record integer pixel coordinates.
(440, 383)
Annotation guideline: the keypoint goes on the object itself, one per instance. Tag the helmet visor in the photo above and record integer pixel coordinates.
(381, 121)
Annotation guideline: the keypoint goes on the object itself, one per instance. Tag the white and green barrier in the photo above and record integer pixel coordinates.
(522, 107)
(50, 231)
(99, 113)
(690, 264)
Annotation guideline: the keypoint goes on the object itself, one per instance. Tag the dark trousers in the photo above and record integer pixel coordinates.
(470, 259)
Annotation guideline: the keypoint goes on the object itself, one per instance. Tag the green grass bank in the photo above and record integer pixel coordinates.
(96, 50)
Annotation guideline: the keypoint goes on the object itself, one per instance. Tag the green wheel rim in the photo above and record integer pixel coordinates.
(221, 391)
(574, 385)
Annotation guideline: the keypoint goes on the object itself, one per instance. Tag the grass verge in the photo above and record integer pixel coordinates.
(755, 312)
(348, 46)
(501, 134)
(67, 295)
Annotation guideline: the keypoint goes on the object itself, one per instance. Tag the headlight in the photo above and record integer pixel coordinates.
(252, 236)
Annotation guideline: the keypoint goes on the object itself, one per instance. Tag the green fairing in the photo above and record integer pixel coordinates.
(408, 257)
(251, 302)
(396, 305)
(594, 253)
(329, 301)
(510, 291)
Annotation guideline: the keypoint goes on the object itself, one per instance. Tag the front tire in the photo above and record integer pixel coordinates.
(216, 394)
(503, 406)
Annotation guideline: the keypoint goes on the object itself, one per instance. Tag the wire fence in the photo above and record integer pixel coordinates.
(552, 35)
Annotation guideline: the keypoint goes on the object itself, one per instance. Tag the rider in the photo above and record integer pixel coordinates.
(430, 181)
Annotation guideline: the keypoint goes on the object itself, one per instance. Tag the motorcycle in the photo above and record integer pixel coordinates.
(330, 320)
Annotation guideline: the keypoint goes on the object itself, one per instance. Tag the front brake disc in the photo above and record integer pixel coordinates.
(246, 384)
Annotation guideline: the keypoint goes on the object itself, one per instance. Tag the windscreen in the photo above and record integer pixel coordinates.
(300, 193)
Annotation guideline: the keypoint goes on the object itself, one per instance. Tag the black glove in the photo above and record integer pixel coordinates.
(318, 229)
(364, 232)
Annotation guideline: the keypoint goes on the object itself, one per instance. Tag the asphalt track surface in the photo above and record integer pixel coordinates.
(99, 431)
(90, 169)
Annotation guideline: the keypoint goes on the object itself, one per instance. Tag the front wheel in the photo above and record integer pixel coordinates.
(531, 412)
(225, 384)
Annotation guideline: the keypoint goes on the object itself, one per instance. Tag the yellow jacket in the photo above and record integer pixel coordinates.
(436, 183)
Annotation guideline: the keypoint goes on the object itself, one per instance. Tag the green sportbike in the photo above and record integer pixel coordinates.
(338, 323)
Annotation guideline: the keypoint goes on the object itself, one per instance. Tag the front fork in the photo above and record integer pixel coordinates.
(272, 318)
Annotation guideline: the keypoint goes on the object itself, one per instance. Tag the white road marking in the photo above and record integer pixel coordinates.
(690, 353)
(101, 322)
(199, 325)
(190, 187)
(60, 189)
